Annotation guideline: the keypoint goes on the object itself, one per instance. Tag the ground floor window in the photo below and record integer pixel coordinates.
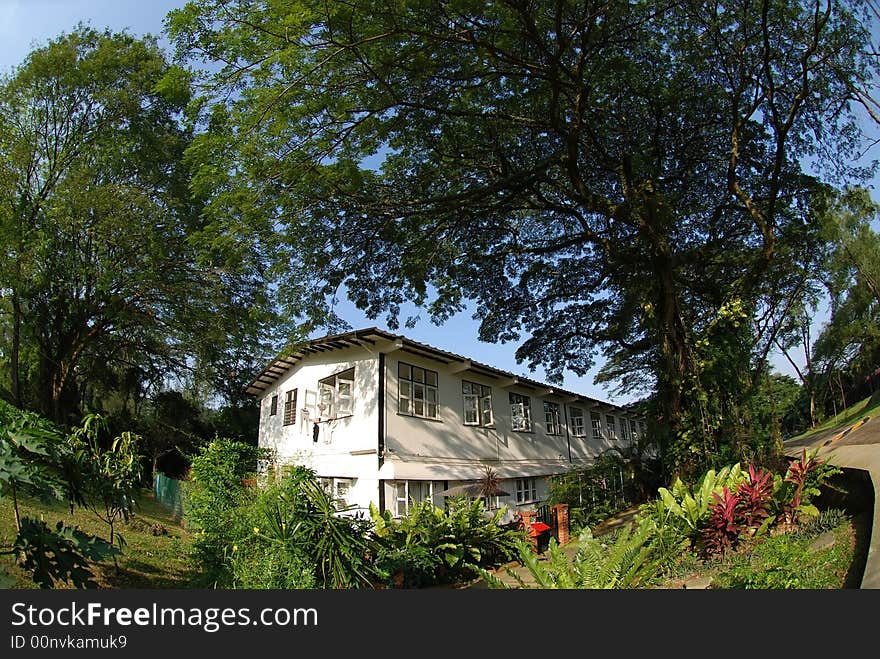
(526, 490)
(339, 489)
(409, 493)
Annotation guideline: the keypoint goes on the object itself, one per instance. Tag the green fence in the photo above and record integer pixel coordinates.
(169, 492)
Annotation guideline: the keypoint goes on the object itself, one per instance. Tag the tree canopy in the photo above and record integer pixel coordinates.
(624, 177)
(109, 281)
(619, 176)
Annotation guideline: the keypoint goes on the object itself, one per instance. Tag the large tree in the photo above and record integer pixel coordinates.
(592, 175)
(108, 278)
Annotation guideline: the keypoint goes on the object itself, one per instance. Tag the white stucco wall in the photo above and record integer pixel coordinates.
(346, 447)
(453, 449)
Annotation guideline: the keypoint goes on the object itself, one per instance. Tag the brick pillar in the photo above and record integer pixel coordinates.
(527, 518)
(560, 514)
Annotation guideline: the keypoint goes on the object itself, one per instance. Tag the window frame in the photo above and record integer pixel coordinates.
(526, 490)
(332, 385)
(611, 424)
(596, 425)
(411, 385)
(482, 404)
(553, 426)
(273, 405)
(525, 404)
(576, 420)
(289, 418)
(407, 499)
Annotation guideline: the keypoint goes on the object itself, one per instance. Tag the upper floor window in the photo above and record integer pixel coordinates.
(596, 424)
(273, 408)
(634, 430)
(520, 412)
(290, 407)
(624, 430)
(612, 426)
(577, 421)
(417, 391)
(335, 395)
(477, 404)
(551, 416)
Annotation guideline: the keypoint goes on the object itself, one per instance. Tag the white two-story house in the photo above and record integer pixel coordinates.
(387, 420)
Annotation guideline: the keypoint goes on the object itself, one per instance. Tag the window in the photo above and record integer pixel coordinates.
(520, 412)
(310, 406)
(335, 395)
(408, 493)
(290, 407)
(338, 489)
(551, 415)
(273, 409)
(417, 394)
(477, 404)
(596, 422)
(526, 490)
(634, 430)
(624, 430)
(577, 421)
(612, 426)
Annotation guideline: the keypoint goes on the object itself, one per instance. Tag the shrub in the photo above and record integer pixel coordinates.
(35, 459)
(214, 502)
(620, 560)
(458, 540)
(755, 498)
(827, 520)
(721, 534)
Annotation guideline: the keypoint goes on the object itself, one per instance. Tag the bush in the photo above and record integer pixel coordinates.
(213, 506)
(431, 545)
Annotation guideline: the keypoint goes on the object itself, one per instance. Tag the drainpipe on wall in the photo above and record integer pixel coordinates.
(567, 436)
(381, 434)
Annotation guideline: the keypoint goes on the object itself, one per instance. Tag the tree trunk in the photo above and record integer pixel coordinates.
(15, 353)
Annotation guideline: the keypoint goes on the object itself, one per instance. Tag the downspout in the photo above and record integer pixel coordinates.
(567, 436)
(381, 430)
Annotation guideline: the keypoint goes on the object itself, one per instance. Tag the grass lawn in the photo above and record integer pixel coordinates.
(155, 556)
(869, 406)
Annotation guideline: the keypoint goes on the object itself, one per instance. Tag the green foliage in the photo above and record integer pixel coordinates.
(621, 560)
(787, 562)
(827, 520)
(610, 484)
(36, 459)
(286, 535)
(689, 508)
(454, 541)
(215, 493)
(61, 555)
(548, 177)
(803, 481)
(109, 285)
(111, 476)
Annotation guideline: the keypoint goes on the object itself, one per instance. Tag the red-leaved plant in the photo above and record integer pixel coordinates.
(755, 496)
(722, 532)
(798, 472)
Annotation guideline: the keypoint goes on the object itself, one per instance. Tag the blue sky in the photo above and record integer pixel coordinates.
(25, 24)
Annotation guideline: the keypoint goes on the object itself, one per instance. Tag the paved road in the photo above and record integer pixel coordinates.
(854, 446)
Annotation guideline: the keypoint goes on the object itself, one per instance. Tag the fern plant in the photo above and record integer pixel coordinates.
(622, 560)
